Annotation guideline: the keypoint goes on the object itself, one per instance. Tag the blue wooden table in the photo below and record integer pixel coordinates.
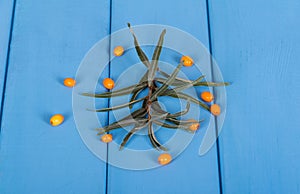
(256, 45)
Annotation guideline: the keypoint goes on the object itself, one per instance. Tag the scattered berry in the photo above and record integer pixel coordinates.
(207, 96)
(108, 83)
(194, 126)
(106, 138)
(69, 82)
(56, 120)
(164, 159)
(215, 109)
(187, 61)
(118, 51)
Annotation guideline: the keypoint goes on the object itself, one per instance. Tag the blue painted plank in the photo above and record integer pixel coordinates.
(6, 15)
(188, 173)
(49, 40)
(256, 44)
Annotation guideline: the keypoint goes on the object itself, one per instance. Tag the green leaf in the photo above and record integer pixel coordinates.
(118, 107)
(156, 116)
(128, 120)
(186, 97)
(182, 122)
(212, 84)
(136, 128)
(155, 143)
(181, 83)
(155, 57)
(174, 83)
(121, 124)
(136, 92)
(138, 49)
(178, 114)
(166, 125)
(139, 113)
(134, 96)
(145, 77)
(180, 80)
(164, 87)
(188, 85)
(172, 117)
(169, 126)
(155, 105)
(120, 92)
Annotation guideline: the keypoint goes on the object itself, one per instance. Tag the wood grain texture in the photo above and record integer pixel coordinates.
(189, 173)
(6, 15)
(49, 40)
(256, 44)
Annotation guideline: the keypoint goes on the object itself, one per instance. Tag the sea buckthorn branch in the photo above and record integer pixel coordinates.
(151, 112)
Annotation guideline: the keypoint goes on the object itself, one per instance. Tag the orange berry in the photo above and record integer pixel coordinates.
(108, 83)
(106, 138)
(215, 109)
(207, 96)
(56, 120)
(195, 125)
(118, 51)
(164, 159)
(69, 82)
(187, 61)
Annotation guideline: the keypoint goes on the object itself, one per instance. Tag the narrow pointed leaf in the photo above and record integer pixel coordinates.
(140, 113)
(144, 59)
(145, 77)
(163, 124)
(174, 83)
(212, 84)
(194, 100)
(121, 124)
(158, 116)
(181, 113)
(153, 139)
(136, 92)
(166, 75)
(186, 97)
(182, 122)
(155, 105)
(169, 126)
(150, 136)
(120, 92)
(155, 57)
(136, 128)
(134, 96)
(188, 85)
(119, 106)
(182, 83)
